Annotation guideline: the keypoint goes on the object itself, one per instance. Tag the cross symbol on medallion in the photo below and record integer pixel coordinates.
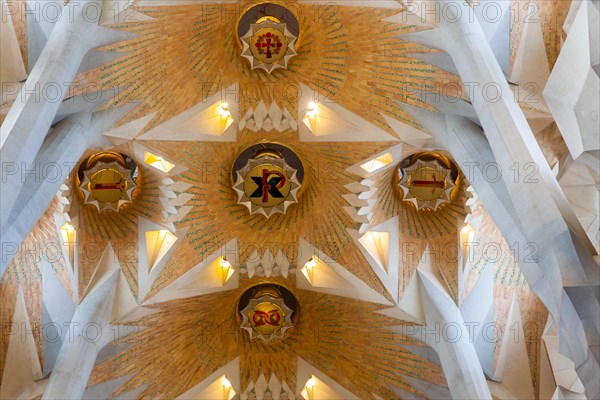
(267, 42)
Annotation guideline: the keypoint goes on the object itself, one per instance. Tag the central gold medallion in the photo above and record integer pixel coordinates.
(266, 316)
(106, 182)
(267, 184)
(268, 45)
(427, 182)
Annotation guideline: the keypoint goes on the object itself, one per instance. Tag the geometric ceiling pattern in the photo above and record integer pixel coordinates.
(179, 62)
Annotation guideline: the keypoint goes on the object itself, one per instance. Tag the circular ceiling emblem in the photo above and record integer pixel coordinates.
(107, 184)
(267, 184)
(268, 45)
(427, 183)
(266, 316)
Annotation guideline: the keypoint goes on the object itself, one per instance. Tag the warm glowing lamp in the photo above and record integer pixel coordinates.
(309, 269)
(225, 115)
(310, 119)
(309, 388)
(377, 163)
(467, 234)
(69, 235)
(158, 162)
(158, 243)
(224, 270)
(228, 392)
(224, 110)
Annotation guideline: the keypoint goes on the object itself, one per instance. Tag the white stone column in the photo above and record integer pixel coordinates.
(469, 147)
(537, 210)
(34, 109)
(60, 152)
(444, 329)
(88, 333)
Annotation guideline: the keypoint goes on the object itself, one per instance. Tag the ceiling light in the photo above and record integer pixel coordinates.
(158, 162)
(228, 392)
(68, 234)
(467, 234)
(310, 118)
(226, 118)
(224, 270)
(378, 163)
(309, 388)
(309, 269)
(312, 112)
(158, 243)
(225, 382)
(225, 109)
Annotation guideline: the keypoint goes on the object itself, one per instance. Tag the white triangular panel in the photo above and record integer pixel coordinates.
(513, 362)
(260, 387)
(397, 152)
(327, 122)
(531, 68)
(212, 387)
(323, 276)
(204, 278)
(377, 244)
(128, 131)
(12, 69)
(22, 370)
(107, 266)
(124, 300)
(140, 155)
(429, 269)
(146, 275)
(202, 122)
(408, 133)
(410, 307)
(384, 263)
(332, 122)
(335, 279)
(158, 244)
(324, 387)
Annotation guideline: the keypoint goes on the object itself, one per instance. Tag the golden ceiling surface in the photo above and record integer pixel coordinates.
(180, 56)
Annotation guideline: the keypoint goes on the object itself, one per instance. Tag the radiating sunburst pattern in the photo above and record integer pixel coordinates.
(351, 55)
(193, 337)
(420, 228)
(189, 53)
(319, 216)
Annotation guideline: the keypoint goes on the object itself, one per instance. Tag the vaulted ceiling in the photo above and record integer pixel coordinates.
(175, 62)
